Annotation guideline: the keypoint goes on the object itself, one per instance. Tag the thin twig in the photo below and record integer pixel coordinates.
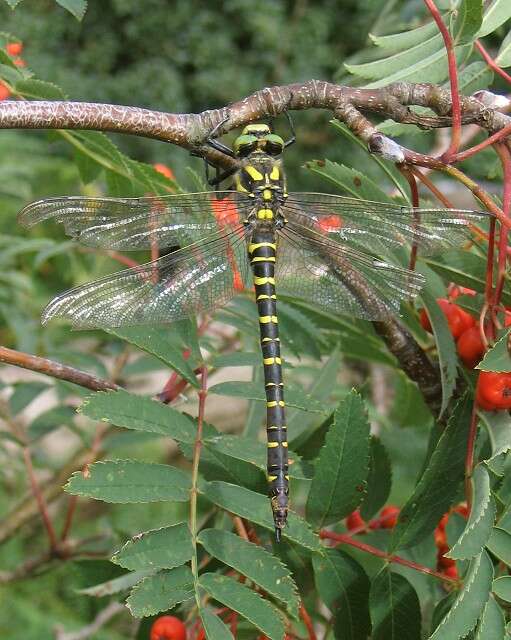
(491, 62)
(103, 617)
(342, 538)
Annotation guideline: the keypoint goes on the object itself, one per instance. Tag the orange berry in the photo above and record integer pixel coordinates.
(19, 62)
(14, 48)
(355, 521)
(168, 628)
(493, 390)
(470, 347)
(451, 572)
(329, 223)
(440, 538)
(4, 92)
(389, 516)
(457, 319)
(164, 170)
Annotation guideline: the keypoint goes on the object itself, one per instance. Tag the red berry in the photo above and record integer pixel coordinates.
(164, 170)
(19, 62)
(443, 522)
(168, 628)
(457, 319)
(355, 521)
(389, 516)
(4, 92)
(440, 538)
(493, 390)
(14, 48)
(456, 290)
(470, 347)
(462, 509)
(451, 572)
(442, 561)
(329, 223)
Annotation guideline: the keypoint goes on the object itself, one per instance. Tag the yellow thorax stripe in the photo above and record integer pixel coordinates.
(270, 340)
(264, 280)
(275, 173)
(268, 319)
(274, 403)
(265, 296)
(272, 361)
(253, 172)
(267, 194)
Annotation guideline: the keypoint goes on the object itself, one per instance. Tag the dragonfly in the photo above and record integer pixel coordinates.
(335, 252)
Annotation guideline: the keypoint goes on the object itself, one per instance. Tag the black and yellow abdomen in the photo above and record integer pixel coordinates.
(262, 254)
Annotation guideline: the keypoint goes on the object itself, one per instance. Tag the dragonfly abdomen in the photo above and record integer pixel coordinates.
(262, 254)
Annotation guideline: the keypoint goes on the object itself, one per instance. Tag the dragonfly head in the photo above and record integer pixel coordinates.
(258, 137)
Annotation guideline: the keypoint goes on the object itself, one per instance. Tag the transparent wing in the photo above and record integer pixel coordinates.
(339, 278)
(379, 226)
(197, 278)
(138, 223)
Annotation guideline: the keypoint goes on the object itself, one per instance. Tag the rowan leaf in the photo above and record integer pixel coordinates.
(214, 627)
(256, 508)
(492, 625)
(379, 480)
(344, 587)
(470, 602)
(395, 608)
(481, 519)
(161, 592)
(497, 358)
(342, 466)
(124, 481)
(438, 485)
(501, 587)
(499, 544)
(254, 562)
(140, 413)
(163, 548)
(246, 602)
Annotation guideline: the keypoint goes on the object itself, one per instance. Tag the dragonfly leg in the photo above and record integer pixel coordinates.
(215, 144)
(292, 139)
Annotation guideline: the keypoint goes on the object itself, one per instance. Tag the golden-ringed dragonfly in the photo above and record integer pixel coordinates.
(335, 252)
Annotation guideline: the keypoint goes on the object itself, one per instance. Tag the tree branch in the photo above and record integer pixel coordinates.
(55, 370)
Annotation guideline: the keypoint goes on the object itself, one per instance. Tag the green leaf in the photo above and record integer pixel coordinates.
(500, 545)
(161, 592)
(256, 508)
(344, 587)
(470, 601)
(342, 465)
(379, 480)
(163, 548)
(246, 602)
(25, 393)
(124, 481)
(474, 77)
(405, 39)
(51, 420)
(253, 391)
(439, 482)
(468, 21)
(39, 90)
(76, 7)
(446, 348)
(254, 562)
(214, 627)
(356, 184)
(501, 587)
(497, 358)
(503, 58)
(492, 623)
(116, 585)
(480, 522)
(498, 426)
(497, 13)
(385, 66)
(163, 342)
(140, 413)
(395, 608)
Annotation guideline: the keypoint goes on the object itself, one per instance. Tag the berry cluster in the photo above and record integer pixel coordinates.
(493, 390)
(14, 50)
(445, 565)
(386, 520)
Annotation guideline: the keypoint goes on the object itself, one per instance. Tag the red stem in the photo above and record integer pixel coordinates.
(491, 62)
(307, 622)
(453, 80)
(342, 538)
(41, 502)
(488, 291)
(496, 137)
(469, 460)
(505, 158)
(432, 187)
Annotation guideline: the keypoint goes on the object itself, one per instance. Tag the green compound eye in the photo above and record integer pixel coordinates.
(245, 144)
(274, 144)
